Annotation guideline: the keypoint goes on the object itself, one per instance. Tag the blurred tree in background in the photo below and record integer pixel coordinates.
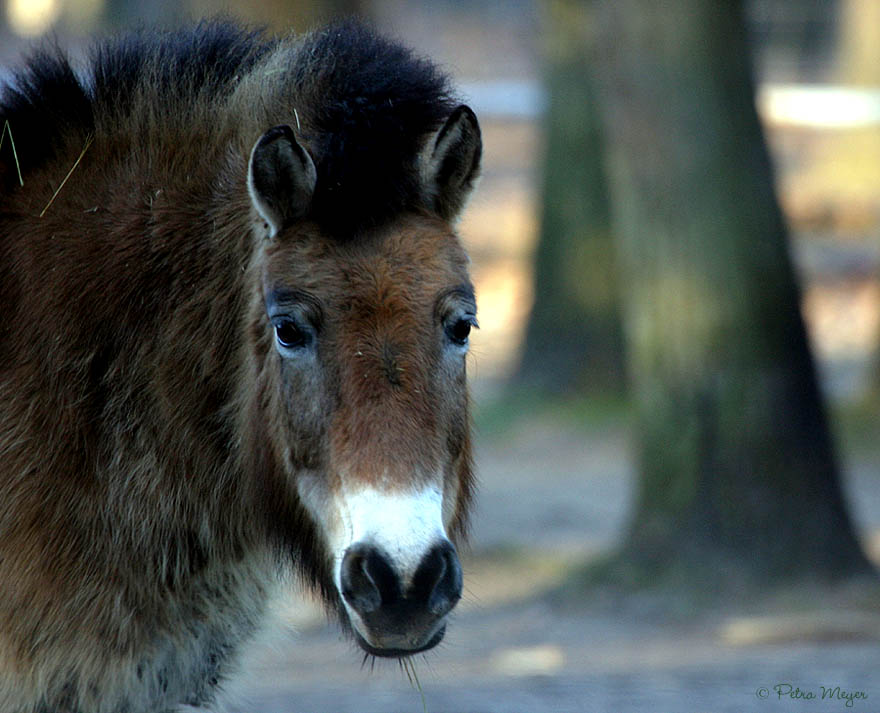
(859, 65)
(859, 43)
(574, 340)
(735, 461)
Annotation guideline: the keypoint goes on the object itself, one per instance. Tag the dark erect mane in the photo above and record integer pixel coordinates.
(48, 99)
(373, 105)
(364, 104)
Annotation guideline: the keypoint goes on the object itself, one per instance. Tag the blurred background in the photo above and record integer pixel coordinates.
(676, 249)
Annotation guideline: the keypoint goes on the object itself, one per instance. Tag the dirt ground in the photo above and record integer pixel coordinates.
(551, 498)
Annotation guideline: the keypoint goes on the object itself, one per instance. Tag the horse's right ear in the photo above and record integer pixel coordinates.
(281, 178)
(454, 163)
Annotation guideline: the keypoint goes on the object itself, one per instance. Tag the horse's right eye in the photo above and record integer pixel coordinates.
(290, 335)
(458, 331)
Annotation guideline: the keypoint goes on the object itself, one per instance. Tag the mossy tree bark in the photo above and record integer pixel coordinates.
(859, 65)
(734, 455)
(574, 336)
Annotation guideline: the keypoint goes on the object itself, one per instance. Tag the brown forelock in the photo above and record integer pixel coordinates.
(396, 411)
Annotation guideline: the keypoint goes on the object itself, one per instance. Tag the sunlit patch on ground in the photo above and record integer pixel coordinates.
(823, 627)
(543, 660)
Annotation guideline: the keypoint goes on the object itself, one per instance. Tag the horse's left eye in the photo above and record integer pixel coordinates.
(459, 330)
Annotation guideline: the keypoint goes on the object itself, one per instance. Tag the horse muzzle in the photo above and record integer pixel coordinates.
(395, 613)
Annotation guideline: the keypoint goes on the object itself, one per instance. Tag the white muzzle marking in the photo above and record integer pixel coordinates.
(403, 525)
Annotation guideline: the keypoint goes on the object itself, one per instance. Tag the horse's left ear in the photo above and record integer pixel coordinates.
(454, 163)
(281, 178)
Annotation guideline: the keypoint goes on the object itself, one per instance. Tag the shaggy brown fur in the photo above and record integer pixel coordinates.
(151, 436)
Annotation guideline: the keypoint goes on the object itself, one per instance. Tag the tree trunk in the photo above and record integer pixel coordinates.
(574, 336)
(734, 454)
(859, 153)
(859, 43)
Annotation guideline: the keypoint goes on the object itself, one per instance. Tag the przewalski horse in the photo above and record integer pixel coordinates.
(235, 315)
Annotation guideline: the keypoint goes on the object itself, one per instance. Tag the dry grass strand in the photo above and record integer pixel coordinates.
(88, 143)
(7, 129)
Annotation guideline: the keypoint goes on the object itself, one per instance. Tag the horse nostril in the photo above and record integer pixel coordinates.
(371, 586)
(438, 580)
(367, 579)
